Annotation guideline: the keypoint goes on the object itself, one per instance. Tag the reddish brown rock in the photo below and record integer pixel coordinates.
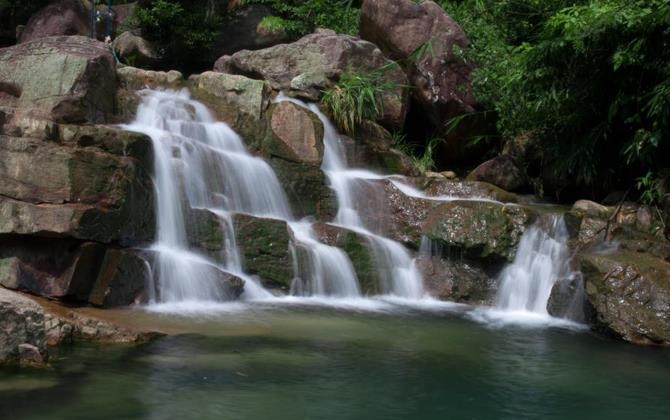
(297, 134)
(63, 17)
(51, 268)
(401, 28)
(500, 171)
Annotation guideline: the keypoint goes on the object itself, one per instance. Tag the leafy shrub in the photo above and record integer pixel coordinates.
(185, 30)
(589, 79)
(357, 96)
(300, 17)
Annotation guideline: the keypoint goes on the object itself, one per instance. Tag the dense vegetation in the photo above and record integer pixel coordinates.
(586, 81)
(185, 30)
(589, 80)
(300, 17)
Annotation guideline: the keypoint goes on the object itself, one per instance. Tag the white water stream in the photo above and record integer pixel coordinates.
(203, 165)
(541, 260)
(397, 272)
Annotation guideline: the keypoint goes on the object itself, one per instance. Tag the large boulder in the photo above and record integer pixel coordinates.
(630, 292)
(297, 134)
(132, 80)
(441, 78)
(62, 79)
(483, 230)
(134, 50)
(314, 63)
(405, 213)
(387, 210)
(62, 17)
(294, 147)
(95, 186)
(22, 325)
(456, 279)
(500, 171)
(61, 269)
(239, 101)
(121, 280)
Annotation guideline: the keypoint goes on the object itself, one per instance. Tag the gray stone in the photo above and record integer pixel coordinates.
(63, 79)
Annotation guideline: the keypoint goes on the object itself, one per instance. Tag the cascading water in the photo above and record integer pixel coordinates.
(397, 271)
(541, 260)
(200, 164)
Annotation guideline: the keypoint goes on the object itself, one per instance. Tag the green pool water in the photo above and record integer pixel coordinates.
(325, 363)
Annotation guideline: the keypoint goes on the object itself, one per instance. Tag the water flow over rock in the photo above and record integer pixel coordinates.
(201, 164)
(541, 260)
(394, 265)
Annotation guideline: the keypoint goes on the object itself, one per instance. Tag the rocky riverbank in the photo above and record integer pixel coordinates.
(77, 200)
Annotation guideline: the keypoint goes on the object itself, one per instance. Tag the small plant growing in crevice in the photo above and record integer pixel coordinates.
(425, 161)
(358, 96)
(648, 187)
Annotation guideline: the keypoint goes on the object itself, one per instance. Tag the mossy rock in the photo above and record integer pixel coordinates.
(357, 248)
(205, 231)
(630, 292)
(483, 230)
(264, 247)
(239, 101)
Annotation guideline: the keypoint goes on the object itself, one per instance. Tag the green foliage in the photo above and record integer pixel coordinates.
(358, 96)
(589, 79)
(300, 17)
(425, 161)
(649, 188)
(185, 30)
(274, 24)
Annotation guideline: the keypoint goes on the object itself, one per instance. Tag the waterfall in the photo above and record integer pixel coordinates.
(396, 268)
(541, 260)
(200, 164)
(326, 270)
